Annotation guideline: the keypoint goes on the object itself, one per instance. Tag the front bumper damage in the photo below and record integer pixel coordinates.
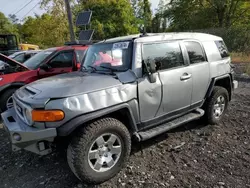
(25, 137)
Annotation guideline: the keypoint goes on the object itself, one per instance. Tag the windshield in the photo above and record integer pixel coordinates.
(108, 56)
(34, 62)
(8, 42)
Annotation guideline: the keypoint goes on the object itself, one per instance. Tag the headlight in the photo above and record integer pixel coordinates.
(28, 116)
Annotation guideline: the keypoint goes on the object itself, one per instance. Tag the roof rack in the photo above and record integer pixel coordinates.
(81, 42)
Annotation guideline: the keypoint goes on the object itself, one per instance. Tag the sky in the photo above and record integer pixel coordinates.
(13, 7)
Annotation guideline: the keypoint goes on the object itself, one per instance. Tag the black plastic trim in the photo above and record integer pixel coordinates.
(213, 81)
(76, 122)
(4, 87)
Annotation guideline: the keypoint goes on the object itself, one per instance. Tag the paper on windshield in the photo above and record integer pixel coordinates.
(120, 45)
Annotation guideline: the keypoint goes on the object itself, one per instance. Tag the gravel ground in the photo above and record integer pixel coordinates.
(191, 156)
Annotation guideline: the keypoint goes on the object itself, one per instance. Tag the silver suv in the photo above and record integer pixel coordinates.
(135, 86)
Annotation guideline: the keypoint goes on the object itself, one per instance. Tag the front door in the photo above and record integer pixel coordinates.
(175, 81)
(63, 62)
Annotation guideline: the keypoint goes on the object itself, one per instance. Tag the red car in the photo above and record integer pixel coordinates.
(50, 62)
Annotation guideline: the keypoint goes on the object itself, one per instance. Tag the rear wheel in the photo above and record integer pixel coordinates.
(99, 151)
(6, 100)
(216, 105)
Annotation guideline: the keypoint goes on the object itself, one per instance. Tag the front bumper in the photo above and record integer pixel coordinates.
(25, 137)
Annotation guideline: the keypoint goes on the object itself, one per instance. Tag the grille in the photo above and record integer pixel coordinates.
(20, 109)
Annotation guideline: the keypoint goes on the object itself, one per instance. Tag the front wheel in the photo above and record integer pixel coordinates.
(99, 150)
(216, 105)
(6, 100)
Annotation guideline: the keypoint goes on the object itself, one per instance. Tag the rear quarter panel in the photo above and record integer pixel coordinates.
(218, 66)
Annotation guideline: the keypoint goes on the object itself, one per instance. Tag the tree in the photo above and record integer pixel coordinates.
(13, 18)
(51, 31)
(6, 27)
(111, 18)
(143, 14)
(197, 14)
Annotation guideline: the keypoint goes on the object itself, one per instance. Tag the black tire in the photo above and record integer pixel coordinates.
(209, 108)
(78, 149)
(4, 97)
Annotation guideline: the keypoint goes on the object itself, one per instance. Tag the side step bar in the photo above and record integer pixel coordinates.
(145, 135)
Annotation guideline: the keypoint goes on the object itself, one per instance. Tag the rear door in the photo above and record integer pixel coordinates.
(200, 71)
(63, 62)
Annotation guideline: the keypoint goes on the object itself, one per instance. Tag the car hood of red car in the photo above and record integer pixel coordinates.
(11, 62)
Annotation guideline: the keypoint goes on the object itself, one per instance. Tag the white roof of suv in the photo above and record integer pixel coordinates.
(166, 36)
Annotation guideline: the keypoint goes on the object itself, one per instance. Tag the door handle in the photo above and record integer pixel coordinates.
(186, 76)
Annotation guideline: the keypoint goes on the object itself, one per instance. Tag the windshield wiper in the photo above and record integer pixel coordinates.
(110, 68)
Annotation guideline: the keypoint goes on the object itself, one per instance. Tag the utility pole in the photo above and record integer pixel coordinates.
(69, 13)
(144, 15)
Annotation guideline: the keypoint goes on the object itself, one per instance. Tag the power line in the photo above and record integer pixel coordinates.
(24, 6)
(30, 10)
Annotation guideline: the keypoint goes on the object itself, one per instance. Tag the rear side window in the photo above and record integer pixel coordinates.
(167, 55)
(222, 49)
(195, 52)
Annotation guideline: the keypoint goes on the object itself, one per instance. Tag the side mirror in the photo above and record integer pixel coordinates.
(45, 67)
(151, 66)
(151, 69)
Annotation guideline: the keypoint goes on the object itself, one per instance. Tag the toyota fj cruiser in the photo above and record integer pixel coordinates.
(152, 83)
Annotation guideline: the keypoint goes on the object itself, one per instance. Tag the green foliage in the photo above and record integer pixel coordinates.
(230, 16)
(45, 31)
(111, 18)
(143, 14)
(6, 27)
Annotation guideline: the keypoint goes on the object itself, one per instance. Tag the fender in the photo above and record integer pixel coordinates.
(14, 84)
(67, 128)
(214, 80)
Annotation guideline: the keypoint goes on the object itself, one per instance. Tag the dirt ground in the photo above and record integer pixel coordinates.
(191, 156)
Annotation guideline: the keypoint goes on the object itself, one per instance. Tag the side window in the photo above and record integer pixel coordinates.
(62, 60)
(167, 55)
(20, 58)
(195, 52)
(27, 56)
(222, 49)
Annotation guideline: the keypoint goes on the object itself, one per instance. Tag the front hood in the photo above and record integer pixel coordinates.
(71, 84)
(11, 62)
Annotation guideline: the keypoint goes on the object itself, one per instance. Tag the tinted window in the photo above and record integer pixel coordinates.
(62, 60)
(167, 55)
(195, 52)
(19, 58)
(35, 61)
(222, 48)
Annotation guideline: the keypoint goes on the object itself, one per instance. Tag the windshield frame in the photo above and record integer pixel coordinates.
(53, 52)
(107, 70)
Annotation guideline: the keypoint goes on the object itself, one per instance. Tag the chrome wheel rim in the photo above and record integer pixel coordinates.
(9, 103)
(105, 152)
(219, 106)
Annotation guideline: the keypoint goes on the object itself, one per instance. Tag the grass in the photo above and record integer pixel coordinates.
(240, 58)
